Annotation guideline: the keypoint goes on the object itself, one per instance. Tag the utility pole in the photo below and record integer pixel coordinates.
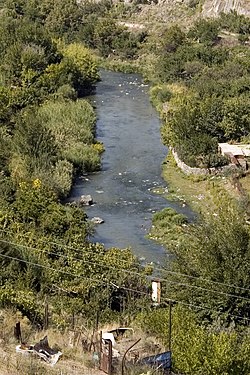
(46, 313)
(170, 327)
(170, 335)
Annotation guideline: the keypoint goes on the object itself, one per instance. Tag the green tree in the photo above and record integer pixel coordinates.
(172, 38)
(62, 18)
(215, 250)
(106, 32)
(192, 129)
(236, 118)
(205, 31)
(84, 66)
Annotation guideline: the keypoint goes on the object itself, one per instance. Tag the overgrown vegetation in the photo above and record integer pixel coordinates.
(47, 135)
(209, 102)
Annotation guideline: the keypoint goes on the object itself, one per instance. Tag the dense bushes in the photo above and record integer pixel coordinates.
(47, 135)
(73, 124)
(235, 22)
(198, 349)
(212, 104)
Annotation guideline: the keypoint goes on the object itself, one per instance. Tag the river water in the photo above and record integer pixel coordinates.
(129, 127)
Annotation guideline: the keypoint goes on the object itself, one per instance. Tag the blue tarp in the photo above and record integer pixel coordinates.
(162, 360)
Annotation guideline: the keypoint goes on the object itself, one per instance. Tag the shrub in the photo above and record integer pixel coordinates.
(62, 175)
(160, 94)
(84, 157)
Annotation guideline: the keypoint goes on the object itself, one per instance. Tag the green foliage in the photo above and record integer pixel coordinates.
(34, 148)
(65, 92)
(205, 31)
(196, 349)
(62, 177)
(235, 22)
(80, 59)
(172, 38)
(159, 95)
(192, 128)
(106, 32)
(5, 147)
(168, 227)
(216, 249)
(23, 299)
(31, 201)
(236, 118)
(5, 109)
(61, 18)
(85, 157)
(127, 44)
(168, 215)
(72, 125)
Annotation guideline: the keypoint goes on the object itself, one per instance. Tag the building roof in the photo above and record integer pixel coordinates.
(235, 150)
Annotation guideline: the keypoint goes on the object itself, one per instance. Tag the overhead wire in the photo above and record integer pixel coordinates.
(106, 282)
(131, 272)
(155, 268)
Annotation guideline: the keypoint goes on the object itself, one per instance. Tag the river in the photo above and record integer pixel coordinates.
(129, 128)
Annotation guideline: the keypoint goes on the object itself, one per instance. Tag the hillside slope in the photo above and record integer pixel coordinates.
(212, 8)
(186, 11)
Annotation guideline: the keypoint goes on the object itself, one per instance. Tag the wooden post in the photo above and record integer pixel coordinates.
(170, 334)
(109, 357)
(17, 332)
(46, 314)
(73, 321)
(170, 327)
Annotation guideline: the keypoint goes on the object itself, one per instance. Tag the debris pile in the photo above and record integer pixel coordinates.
(42, 350)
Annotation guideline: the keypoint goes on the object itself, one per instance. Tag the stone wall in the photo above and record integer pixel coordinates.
(227, 169)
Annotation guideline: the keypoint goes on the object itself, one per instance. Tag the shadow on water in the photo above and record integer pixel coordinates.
(129, 127)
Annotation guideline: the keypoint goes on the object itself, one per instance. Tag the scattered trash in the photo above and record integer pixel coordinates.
(42, 350)
(108, 336)
(119, 332)
(162, 360)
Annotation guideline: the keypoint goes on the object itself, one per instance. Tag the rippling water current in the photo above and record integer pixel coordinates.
(129, 127)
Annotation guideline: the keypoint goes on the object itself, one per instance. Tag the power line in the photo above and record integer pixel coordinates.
(74, 258)
(203, 279)
(132, 272)
(202, 307)
(155, 268)
(120, 287)
(50, 268)
(205, 289)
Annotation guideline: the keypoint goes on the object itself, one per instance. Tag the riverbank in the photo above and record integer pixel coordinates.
(195, 190)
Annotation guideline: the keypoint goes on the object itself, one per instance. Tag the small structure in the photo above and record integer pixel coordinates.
(237, 153)
(156, 292)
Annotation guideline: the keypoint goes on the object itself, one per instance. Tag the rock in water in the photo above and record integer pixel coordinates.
(97, 220)
(86, 200)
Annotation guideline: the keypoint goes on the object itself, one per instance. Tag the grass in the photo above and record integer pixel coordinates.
(193, 190)
(74, 360)
(245, 182)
